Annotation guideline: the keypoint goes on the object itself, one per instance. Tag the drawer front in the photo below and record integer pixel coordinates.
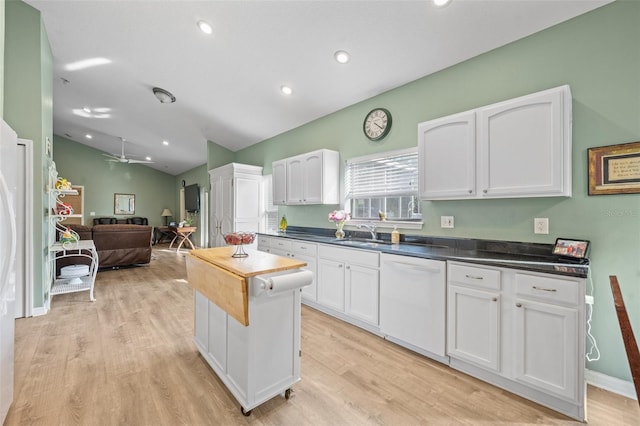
(549, 289)
(304, 248)
(354, 256)
(474, 276)
(263, 242)
(281, 244)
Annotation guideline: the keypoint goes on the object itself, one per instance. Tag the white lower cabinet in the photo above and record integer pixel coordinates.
(522, 331)
(349, 282)
(548, 344)
(473, 323)
(412, 303)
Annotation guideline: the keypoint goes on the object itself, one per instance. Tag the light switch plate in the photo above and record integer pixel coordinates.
(446, 221)
(541, 225)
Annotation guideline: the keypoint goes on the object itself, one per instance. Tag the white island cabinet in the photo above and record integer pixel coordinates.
(517, 148)
(412, 303)
(247, 320)
(522, 331)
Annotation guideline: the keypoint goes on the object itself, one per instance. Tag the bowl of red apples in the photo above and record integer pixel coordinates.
(238, 239)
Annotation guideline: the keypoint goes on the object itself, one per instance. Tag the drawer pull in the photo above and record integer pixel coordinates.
(474, 277)
(519, 305)
(544, 289)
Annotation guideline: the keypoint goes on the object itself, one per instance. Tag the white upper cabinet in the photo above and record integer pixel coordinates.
(447, 156)
(516, 148)
(311, 178)
(279, 179)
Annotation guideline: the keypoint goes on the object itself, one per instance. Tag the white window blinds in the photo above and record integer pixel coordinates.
(382, 175)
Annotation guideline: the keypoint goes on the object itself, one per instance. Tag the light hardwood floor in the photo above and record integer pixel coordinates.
(128, 359)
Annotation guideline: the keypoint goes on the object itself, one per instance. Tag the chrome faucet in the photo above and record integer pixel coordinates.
(371, 228)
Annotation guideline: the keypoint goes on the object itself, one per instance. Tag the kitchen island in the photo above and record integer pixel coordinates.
(247, 320)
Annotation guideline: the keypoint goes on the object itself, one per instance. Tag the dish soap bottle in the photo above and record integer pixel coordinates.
(395, 235)
(283, 224)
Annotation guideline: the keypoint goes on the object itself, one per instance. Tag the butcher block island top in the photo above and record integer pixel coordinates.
(223, 279)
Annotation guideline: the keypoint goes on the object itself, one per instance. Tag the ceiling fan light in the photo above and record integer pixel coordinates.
(163, 96)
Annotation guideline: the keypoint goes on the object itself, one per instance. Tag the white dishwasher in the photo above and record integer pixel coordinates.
(413, 303)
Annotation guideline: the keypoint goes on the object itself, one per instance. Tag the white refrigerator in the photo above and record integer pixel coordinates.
(8, 185)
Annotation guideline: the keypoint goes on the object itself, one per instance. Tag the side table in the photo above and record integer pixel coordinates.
(182, 236)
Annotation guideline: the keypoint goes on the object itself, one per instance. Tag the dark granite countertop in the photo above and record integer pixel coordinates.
(516, 255)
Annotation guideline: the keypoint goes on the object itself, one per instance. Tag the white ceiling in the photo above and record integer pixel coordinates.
(227, 84)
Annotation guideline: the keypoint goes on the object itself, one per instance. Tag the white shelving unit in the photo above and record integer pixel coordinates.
(58, 250)
(83, 248)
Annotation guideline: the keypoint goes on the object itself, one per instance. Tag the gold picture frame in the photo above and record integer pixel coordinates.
(614, 169)
(124, 203)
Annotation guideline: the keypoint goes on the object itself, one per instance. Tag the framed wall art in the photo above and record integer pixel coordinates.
(614, 169)
(124, 203)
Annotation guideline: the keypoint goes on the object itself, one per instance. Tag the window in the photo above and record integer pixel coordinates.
(270, 211)
(386, 182)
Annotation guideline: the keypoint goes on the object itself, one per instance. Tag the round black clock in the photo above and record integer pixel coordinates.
(377, 124)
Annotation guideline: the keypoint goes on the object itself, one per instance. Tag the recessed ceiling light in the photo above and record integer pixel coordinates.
(205, 27)
(165, 143)
(87, 63)
(88, 136)
(286, 90)
(441, 3)
(342, 56)
(148, 158)
(87, 110)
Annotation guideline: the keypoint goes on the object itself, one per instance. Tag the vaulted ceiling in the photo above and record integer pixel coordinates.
(227, 84)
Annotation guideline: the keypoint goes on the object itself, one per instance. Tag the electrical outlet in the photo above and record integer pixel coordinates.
(446, 221)
(541, 225)
(92, 214)
(588, 299)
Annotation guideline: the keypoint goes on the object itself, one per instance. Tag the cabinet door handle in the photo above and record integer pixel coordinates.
(471, 191)
(340, 265)
(495, 299)
(544, 289)
(485, 191)
(519, 305)
(348, 267)
(474, 277)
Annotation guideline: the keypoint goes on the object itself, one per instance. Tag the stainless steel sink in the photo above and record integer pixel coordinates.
(360, 242)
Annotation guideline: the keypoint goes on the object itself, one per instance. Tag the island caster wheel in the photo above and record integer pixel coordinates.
(245, 413)
(287, 394)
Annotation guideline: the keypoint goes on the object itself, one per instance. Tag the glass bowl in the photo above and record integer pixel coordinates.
(238, 239)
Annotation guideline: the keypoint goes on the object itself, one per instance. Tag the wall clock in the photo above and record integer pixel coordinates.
(377, 124)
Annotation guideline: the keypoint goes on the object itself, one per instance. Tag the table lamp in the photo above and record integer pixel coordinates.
(166, 213)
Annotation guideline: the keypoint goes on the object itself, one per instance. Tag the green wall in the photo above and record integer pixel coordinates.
(83, 165)
(28, 110)
(597, 54)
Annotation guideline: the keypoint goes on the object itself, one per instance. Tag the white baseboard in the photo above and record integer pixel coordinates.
(611, 384)
(39, 311)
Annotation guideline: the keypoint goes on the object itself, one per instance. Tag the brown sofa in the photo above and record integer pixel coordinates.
(117, 245)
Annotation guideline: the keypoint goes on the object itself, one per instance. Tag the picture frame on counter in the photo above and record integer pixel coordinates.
(614, 169)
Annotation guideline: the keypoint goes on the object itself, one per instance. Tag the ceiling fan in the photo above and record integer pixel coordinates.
(123, 159)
